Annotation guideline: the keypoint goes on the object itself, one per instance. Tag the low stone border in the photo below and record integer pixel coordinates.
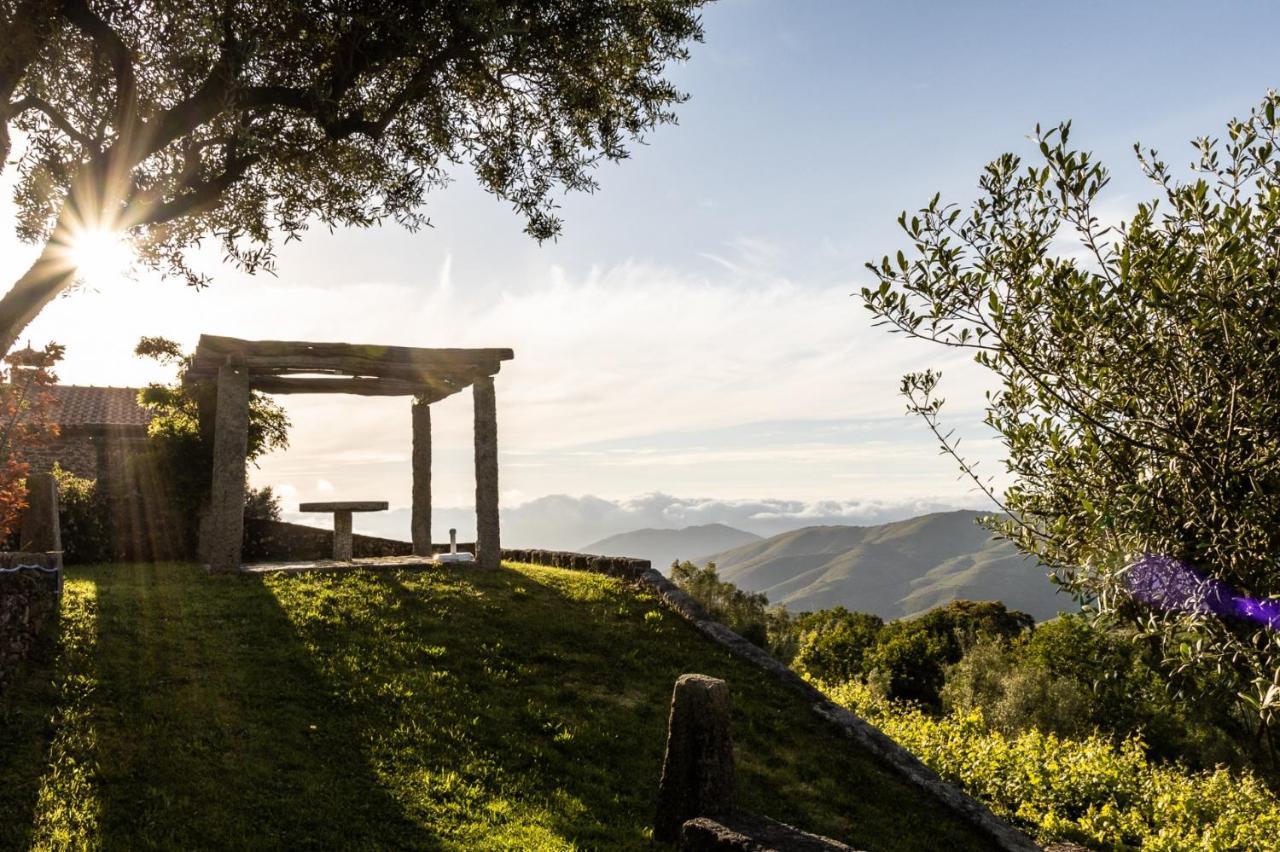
(865, 735)
(744, 832)
(28, 599)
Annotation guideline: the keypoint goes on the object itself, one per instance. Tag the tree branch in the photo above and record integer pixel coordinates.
(59, 120)
(198, 195)
(117, 52)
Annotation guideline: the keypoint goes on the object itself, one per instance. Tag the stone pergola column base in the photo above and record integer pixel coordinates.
(223, 527)
(488, 545)
(420, 518)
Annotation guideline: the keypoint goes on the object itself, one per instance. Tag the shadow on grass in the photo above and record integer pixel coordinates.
(457, 708)
(206, 726)
(550, 690)
(27, 706)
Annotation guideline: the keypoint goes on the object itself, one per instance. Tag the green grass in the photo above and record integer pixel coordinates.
(523, 708)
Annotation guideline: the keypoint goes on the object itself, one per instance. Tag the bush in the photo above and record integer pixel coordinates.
(1088, 790)
(84, 519)
(912, 656)
(1071, 678)
(834, 643)
(262, 504)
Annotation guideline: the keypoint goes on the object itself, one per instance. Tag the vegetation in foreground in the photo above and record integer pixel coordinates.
(1088, 790)
(523, 708)
(1068, 730)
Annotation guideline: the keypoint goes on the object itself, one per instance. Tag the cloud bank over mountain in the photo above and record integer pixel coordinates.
(561, 521)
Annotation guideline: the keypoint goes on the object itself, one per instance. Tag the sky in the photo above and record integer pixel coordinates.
(692, 348)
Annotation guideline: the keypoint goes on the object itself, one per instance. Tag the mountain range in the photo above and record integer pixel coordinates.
(894, 570)
(664, 546)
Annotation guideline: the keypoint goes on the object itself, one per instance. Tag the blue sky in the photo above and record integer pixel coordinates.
(692, 333)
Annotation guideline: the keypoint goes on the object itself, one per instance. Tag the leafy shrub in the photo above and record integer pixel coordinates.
(1088, 790)
(262, 504)
(84, 518)
(834, 643)
(912, 656)
(1070, 678)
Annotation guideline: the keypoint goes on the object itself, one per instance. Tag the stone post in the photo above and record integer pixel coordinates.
(224, 522)
(488, 545)
(41, 532)
(342, 535)
(697, 772)
(420, 518)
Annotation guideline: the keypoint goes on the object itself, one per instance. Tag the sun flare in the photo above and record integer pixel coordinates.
(101, 257)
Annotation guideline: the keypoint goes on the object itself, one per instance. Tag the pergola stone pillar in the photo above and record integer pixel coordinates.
(488, 544)
(223, 528)
(420, 517)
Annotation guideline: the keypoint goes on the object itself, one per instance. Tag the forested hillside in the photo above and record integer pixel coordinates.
(893, 570)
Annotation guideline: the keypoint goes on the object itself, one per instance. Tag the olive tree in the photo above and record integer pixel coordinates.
(176, 120)
(1138, 399)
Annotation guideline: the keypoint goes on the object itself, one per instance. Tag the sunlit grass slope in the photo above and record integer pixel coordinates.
(523, 708)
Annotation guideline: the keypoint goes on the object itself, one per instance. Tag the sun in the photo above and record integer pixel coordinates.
(101, 257)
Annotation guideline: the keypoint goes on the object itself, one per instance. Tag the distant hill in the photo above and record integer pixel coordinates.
(893, 570)
(662, 547)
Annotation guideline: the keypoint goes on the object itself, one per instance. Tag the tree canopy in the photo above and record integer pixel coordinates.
(180, 120)
(1139, 401)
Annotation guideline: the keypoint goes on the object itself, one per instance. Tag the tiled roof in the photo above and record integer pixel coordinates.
(80, 405)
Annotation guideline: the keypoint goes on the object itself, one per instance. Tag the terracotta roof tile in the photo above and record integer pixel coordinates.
(80, 405)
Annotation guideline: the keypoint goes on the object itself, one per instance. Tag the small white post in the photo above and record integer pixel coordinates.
(453, 541)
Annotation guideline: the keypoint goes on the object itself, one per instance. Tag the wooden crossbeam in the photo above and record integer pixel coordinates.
(365, 370)
(360, 387)
(284, 351)
(206, 364)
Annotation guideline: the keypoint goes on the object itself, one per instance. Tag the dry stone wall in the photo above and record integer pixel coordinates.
(277, 541)
(28, 601)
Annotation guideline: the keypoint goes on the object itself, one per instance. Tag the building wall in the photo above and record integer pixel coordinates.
(92, 453)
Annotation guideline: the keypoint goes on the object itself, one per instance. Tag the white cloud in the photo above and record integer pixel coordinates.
(628, 352)
(560, 521)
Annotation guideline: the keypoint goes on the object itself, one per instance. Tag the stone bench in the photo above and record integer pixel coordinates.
(342, 511)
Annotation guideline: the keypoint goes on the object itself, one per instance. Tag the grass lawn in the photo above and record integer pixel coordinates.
(523, 708)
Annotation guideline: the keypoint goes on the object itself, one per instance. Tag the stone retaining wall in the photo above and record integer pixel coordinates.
(280, 541)
(863, 734)
(28, 600)
(274, 541)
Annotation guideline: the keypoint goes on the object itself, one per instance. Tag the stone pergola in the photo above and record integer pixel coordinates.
(428, 375)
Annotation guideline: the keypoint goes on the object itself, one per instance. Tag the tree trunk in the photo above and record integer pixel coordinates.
(51, 274)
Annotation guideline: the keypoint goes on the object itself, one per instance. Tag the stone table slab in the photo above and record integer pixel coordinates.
(342, 510)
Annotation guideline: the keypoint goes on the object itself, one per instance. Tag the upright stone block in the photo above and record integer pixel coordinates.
(41, 528)
(420, 517)
(342, 536)
(697, 772)
(223, 527)
(488, 544)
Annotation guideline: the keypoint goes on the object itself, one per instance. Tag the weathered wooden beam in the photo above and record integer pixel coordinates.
(360, 387)
(375, 352)
(206, 365)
